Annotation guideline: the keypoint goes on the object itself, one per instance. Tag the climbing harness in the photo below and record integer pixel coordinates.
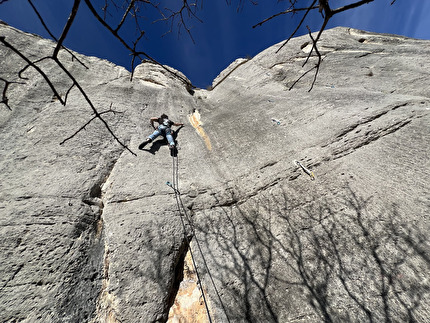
(184, 214)
(307, 171)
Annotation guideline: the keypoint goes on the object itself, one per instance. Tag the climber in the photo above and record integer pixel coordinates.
(164, 128)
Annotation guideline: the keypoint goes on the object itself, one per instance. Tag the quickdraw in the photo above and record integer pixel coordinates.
(307, 171)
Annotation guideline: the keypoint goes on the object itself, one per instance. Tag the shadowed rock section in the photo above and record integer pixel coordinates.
(92, 233)
(189, 303)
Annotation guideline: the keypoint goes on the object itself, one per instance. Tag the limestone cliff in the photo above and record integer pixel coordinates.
(92, 233)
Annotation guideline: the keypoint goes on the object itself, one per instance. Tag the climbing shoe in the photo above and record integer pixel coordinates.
(143, 144)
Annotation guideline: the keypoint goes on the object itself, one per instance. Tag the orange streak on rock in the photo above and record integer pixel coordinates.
(188, 306)
(197, 124)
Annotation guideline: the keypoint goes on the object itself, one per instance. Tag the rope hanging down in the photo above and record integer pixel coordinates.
(183, 212)
(174, 186)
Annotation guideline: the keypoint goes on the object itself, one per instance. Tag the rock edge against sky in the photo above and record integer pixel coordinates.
(92, 233)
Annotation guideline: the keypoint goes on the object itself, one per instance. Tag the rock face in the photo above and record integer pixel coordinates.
(92, 233)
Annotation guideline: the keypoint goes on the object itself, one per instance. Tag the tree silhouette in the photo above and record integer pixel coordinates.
(326, 11)
(178, 16)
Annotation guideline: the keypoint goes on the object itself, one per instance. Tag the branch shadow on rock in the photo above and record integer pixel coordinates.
(150, 279)
(329, 260)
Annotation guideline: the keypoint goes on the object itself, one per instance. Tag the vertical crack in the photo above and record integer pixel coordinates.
(187, 303)
(88, 254)
(178, 275)
(106, 304)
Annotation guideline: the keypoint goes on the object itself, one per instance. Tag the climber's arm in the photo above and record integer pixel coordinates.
(152, 120)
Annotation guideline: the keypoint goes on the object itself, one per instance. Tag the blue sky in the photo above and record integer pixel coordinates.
(224, 35)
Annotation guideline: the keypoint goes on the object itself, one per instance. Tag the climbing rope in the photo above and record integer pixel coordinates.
(174, 185)
(183, 213)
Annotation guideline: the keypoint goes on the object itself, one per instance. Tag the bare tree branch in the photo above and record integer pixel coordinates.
(41, 19)
(88, 122)
(132, 10)
(311, 7)
(113, 31)
(68, 91)
(318, 64)
(301, 76)
(351, 6)
(127, 46)
(130, 6)
(30, 63)
(50, 33)
(66, 29)
(189, 9)
(327, 13)
(5, 99)
(292, 11)
(56, 94)
(97, 114)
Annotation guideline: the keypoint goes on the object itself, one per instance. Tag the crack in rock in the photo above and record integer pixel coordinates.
(368, 130)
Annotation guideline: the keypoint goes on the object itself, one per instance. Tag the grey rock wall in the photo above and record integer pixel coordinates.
(70, 251)
(91, 233)
(351, 245)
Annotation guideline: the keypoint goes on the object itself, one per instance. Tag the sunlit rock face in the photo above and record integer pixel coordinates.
(189, 305)
(298, 205)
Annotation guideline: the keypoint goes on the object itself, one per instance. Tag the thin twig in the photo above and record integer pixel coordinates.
(311, 7)
(68, 91)
(41, 20)
(124, 43)
(180, 13)
(317, 66)
(96, 113)
(314, 47)
(352, 6)
(48, 81)
(127, 11)
(112, 31)
(87, 123)
(66, 29)
(293, 11)
(50, 33)
(303, 75)
(29, 65)
(5, 99)
(327, 13)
